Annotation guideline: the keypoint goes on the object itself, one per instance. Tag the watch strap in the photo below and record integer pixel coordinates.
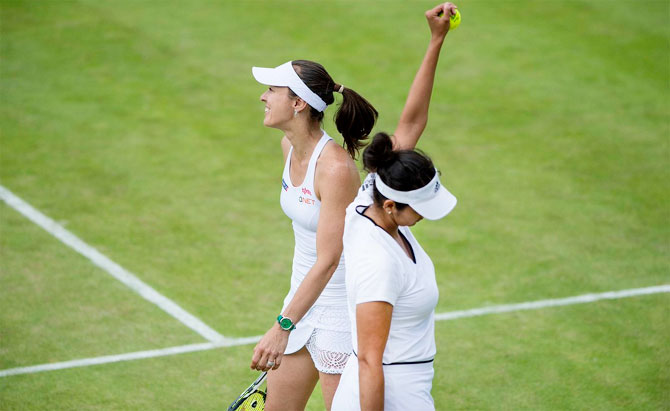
(281, 318)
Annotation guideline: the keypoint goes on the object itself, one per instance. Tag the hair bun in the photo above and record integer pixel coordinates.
(379, 153)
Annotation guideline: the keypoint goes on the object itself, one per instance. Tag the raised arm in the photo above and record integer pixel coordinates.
(414, 115)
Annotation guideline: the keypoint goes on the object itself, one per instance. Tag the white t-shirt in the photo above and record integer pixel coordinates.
(378, 269)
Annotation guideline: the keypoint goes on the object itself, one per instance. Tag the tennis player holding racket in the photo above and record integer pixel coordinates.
(311, 339)
(390, 280)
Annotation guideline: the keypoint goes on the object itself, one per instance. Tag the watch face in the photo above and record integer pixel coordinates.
(285, 323)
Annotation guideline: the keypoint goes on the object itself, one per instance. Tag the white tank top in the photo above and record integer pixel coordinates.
(302, 207)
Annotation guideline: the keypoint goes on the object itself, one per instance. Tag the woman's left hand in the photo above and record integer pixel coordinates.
(270, 349)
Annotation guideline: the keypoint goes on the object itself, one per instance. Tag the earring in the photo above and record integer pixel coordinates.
(295, 113)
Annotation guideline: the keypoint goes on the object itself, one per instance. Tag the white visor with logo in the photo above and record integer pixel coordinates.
(285, 76)
(431, 201)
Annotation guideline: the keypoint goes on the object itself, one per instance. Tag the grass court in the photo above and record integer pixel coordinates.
(137, 126)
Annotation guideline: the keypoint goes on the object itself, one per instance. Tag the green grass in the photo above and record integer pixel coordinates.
(58, 306)
(607, 355)
(138, 126)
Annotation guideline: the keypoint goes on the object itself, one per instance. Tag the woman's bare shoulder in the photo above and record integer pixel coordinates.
(336, 169)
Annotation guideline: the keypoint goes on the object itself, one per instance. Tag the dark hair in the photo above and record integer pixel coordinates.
(355, 117)
(402, 170)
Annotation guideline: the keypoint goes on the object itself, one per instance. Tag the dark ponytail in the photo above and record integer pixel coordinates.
(356, 116)
(379, 153)
(402, 170)
(354, 120)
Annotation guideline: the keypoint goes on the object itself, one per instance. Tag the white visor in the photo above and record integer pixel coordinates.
(431, 201)
(285, 76)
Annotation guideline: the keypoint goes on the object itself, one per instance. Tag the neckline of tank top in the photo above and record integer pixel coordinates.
(409, 245)
(319, 145)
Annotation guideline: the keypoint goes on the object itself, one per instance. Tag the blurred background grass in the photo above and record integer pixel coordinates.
(138, 126)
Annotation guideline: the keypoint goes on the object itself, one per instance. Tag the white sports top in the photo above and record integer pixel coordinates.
(301, 205)
(378, 269)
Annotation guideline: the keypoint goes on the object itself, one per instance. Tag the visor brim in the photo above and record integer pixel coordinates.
(437, 207)
(269, 76)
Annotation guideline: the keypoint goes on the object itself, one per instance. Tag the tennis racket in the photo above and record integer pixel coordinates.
(253, 398)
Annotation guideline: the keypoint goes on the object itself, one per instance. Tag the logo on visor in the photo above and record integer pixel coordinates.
(437, 186)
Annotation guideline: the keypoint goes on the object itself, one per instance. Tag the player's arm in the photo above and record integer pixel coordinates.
(338, 180)
(414, 115)
(373, 322)
(338, 183)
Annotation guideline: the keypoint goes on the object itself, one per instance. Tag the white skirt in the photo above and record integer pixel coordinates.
(406, 387)
(326, 332)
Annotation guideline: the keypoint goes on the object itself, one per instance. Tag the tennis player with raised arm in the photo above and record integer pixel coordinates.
(390, 280)
(311, 338)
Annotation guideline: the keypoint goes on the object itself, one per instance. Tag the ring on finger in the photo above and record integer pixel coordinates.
(271, 363)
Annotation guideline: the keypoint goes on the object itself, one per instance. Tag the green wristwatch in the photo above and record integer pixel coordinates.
(285, 323)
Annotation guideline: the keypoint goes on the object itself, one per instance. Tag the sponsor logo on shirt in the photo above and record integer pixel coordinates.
(306, 191)
(284, 185)
(305, 200)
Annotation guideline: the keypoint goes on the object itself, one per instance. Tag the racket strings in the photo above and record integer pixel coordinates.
(255, 402)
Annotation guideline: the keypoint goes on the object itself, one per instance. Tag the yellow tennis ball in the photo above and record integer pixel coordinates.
(455, 20)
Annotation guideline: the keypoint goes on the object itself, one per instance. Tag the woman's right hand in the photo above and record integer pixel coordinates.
(439, 19)
(270, 349)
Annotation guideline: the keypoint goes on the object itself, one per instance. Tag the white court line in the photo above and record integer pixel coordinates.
(498, 309)
(110, 266)
(229, 342)
(534, 305)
